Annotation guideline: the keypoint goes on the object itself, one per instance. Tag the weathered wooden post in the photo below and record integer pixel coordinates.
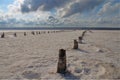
(39, 32)
(80, 39)
(15, 35)
(25, 34)
(61, 67)
(33, 32)
(75, 44)
(83, 34)
(3, 35)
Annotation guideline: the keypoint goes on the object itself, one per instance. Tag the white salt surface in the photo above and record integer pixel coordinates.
(36, 56)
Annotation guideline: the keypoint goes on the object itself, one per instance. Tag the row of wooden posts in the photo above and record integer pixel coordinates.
(62, 64)
(15, 35)
(33, 33)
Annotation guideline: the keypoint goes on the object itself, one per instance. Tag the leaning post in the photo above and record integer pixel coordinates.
(83, 34)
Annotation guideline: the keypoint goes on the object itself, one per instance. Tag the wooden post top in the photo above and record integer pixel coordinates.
(62, 53)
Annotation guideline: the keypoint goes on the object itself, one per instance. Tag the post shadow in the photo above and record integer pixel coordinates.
(70, 76)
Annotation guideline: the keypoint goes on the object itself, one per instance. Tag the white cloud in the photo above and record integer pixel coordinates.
(75, 13)
(65, 8)
(80, 6)
(109, 14)
(110, 9)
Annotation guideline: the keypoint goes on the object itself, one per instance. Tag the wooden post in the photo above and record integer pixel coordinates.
(33, 33)
(75, 44)
(83, 34)
(3, 35)
(15, 35)
(25, 34)
(61, 67)
(80, 39)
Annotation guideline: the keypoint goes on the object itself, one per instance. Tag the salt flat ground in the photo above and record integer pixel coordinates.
(36, 56)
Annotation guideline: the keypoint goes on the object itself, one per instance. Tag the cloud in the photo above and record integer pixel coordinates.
(20, 20)
(110, 9)
(62, 13)
(65, 7)
(44, 5)
(52, 20)
(80, 6)
(109, 14)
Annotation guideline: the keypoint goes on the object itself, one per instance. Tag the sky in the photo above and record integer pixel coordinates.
(60, 13)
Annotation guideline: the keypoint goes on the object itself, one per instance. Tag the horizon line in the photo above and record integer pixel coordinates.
(61, 28)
